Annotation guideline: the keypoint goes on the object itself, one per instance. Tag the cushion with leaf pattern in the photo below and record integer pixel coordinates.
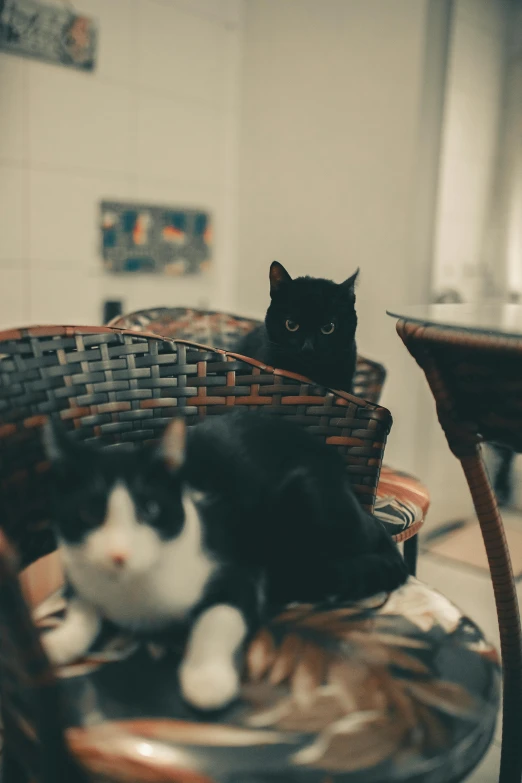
(399, 687)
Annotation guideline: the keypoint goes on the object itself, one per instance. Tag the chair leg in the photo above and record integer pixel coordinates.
(411, 548)
(507, 611)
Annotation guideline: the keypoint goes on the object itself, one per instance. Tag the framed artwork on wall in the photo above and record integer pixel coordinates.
(54, 33)
(144, 238)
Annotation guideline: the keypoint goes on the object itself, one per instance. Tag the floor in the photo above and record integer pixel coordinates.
(469, 586)
(462, 541)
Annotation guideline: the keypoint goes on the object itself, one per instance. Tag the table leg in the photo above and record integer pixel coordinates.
(507, 611)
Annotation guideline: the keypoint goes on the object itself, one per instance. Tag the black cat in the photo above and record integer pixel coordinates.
(309, 329)
(218, 526)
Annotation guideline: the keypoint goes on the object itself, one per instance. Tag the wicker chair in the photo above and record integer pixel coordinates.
(122, 387)
(118, 386)
(402, 501)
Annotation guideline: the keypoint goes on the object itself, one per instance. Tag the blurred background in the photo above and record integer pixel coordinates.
(326, 134)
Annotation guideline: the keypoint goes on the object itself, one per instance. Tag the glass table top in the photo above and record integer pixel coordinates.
(492, 318)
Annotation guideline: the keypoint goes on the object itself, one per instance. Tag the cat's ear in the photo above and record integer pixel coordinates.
(56, 443)
(349, 284)
(172, 447)
(278, 277)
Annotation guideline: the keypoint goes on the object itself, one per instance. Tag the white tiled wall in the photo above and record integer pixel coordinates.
(330, 161)
(157, 122)
(473, 114)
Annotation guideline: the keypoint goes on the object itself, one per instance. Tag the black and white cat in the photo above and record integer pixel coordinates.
(218, 525)
(309, 329)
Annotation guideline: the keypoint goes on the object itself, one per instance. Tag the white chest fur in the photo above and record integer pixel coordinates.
(162, 580)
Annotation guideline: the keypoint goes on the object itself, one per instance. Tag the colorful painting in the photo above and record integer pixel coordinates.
(154, 239)
(55, 33)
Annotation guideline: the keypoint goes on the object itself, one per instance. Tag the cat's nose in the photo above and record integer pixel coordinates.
(118, 559)
(308, 346)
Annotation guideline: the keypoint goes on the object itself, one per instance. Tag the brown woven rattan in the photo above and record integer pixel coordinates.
(116, 385)
(223, 330)
(476, 381)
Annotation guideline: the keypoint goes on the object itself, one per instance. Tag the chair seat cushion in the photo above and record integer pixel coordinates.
(396, 688)
(402, 503)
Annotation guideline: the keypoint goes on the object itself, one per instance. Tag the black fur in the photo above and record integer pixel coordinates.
(312, 304)
(280, 507)
(277, 511)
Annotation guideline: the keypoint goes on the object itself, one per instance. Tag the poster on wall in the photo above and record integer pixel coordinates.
(54, 33)
(143, 238)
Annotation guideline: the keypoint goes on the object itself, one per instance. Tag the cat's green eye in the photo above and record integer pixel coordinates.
(291, 326)
(327, 328)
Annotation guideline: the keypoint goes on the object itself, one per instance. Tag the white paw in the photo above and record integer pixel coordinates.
(209, 686)
(62, 646)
